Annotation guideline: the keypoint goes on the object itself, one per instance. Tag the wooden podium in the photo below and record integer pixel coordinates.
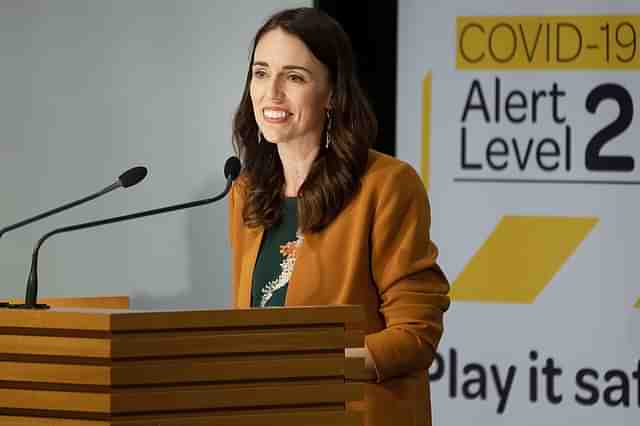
(71, 366)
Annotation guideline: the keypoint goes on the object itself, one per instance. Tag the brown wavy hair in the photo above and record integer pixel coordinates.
(334, 177)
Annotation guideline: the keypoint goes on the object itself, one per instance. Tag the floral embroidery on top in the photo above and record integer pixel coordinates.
(288, 251)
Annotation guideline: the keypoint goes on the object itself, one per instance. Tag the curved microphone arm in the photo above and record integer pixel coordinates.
(129, 178)
(32, 282)
(67, 206)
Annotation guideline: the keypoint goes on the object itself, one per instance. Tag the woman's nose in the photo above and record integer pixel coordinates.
(275, 89)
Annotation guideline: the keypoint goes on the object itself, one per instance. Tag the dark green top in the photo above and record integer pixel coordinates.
(272, 257)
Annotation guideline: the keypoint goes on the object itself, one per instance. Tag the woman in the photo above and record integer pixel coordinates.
(318, 218)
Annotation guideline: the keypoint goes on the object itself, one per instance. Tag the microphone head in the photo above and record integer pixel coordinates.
(232, 168)
(132, 176)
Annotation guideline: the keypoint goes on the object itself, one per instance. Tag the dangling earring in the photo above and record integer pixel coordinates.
(329, 128)
(259, 137)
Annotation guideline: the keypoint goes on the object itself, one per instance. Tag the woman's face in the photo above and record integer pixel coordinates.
(290, 89)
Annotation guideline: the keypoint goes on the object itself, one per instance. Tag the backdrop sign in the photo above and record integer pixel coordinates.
(523, 123)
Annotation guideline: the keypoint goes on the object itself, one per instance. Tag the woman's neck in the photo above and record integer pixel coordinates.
(296, 159)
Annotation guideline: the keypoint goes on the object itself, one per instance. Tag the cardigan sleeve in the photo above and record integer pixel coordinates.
(413, 290)
(235, 206)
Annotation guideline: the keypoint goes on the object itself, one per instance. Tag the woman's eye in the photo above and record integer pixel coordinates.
(296, 78)
(259, 73)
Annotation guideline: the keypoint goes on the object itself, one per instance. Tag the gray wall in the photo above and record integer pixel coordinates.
(89, 88)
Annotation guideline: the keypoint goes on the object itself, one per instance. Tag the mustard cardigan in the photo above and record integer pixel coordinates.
(376, 253)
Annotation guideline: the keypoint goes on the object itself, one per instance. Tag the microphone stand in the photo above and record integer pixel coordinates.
(32, 282)
(48, 213)
(129, 178)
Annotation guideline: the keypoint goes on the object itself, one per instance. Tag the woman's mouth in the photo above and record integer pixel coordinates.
(275, 115)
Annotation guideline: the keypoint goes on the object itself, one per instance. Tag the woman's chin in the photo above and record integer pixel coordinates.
(276, 139)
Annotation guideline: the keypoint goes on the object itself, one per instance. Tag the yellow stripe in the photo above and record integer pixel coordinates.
(520, 258)
(604, 42)
(637, 305)
(425, 169)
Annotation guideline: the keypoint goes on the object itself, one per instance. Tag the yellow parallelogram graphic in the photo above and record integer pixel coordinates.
(520, 258)
(425, 170)
(637, 305)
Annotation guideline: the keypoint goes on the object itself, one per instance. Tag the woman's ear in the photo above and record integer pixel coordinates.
(329, 105)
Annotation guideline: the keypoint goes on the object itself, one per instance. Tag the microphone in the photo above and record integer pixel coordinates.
(125, 180)
(232, 169)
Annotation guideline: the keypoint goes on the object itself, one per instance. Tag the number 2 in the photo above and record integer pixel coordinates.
(594, 160)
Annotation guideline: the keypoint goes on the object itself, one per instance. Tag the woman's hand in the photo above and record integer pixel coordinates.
(369, 364)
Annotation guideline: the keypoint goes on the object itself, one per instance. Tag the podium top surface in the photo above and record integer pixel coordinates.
(121, 320)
